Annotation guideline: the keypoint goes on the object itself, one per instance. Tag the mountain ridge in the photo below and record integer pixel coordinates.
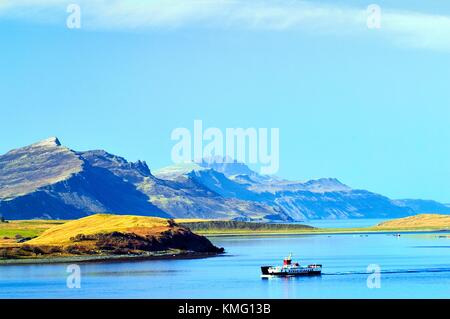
(48, 180)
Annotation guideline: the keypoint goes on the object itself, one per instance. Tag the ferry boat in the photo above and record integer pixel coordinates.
(291, 269)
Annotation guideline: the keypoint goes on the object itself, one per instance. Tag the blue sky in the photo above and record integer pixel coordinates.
(369, 107)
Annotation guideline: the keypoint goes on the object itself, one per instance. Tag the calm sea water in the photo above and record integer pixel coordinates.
(412, 266)
(344, 223)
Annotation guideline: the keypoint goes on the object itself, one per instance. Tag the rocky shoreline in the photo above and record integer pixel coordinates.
(110, 258)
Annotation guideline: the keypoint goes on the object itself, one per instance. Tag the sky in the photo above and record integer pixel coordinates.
(369, 106)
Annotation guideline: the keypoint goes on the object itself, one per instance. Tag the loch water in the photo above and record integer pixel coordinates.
(411, 266)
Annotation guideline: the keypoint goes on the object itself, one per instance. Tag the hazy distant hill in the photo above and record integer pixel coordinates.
(48, 180)
(314, 199)
(420, 206)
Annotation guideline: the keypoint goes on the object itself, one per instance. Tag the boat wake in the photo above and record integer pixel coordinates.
(391, 271)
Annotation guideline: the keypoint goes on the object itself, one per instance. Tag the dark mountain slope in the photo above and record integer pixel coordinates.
(47, 180)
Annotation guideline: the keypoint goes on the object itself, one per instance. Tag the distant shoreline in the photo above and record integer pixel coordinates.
(324, 231)
(414, 224)
(419, 223)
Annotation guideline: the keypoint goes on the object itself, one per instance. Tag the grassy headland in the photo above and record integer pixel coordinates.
(107, 236)
(419, 222)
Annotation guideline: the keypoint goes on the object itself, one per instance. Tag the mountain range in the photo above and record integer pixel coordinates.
(48, 180)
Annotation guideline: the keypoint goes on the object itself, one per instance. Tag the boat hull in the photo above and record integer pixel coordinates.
(266, 272)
